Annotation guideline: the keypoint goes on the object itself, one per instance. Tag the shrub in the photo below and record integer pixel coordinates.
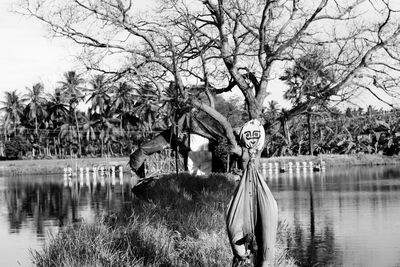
(16, 147)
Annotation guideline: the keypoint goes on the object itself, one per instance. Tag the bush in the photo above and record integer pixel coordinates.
(221, 150)
(16, 147)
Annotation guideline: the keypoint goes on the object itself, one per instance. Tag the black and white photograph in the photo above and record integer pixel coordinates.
(200, 133)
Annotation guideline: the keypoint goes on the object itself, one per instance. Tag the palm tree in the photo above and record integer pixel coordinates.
(273, 109)
(100, 111)
(89, 132)
(106, 125)
(57, 115)
(153, 111)
(68, 133)
(13, 108)
(308, 80)
(36, 103)
(99, 94)
(122, 100)
(72, 91)
(57, 109)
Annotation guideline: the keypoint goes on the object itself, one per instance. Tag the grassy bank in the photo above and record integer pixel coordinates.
(173, 222)
(56, 166)
(333, 160)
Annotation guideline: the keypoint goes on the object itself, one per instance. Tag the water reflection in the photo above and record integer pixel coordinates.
(33, 206)
(341, 217)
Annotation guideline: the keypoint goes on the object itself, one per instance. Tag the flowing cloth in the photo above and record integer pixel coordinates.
(252, 216)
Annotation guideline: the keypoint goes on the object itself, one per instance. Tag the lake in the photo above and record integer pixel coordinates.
(340, 217)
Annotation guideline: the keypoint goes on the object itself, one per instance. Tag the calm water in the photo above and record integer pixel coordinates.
(33, 207)
(343, 217)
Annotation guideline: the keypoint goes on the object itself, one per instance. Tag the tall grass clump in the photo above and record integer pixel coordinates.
(175, 221)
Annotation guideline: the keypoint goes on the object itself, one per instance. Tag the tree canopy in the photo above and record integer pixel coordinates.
(216, 45)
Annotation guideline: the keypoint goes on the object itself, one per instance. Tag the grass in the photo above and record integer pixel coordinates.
(173, 222)
(56, 166)
(334, 160)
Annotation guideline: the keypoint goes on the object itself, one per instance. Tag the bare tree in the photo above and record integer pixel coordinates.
(215, 45)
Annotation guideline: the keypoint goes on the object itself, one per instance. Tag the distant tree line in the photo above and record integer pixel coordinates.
(100, 117)
(350, 131)
(97, 117)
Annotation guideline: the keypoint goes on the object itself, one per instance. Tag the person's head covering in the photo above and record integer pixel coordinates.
(252, 135)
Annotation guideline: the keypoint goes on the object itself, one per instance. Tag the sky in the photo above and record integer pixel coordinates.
(29, 55)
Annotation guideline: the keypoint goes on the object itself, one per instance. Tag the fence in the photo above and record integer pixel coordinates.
(163, 163)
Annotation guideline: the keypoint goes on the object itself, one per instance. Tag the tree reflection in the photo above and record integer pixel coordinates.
(313, 245)
(34, 202)
(318, 210)
(328, 214)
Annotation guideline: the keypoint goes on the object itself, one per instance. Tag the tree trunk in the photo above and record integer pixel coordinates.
(79, 135)
(223, 122)
(109, 149)
(310, 133)
(299, 151)
(36, 127)
(254, 110)
(47, 151)
(289, 140)
(121, 136)
(102, 147)
(15, 128)
(227, 163)
(286, 133)
(59, 152)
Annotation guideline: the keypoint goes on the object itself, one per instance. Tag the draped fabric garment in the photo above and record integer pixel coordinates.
(158, 143)
(252, 214)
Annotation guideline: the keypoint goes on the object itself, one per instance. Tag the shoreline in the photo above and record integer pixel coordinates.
(335, 160)
(56, 166)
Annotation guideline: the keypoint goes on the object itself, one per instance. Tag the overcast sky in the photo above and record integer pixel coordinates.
(28, 55)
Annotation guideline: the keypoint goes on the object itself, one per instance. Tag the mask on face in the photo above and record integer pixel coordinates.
(252, 135)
